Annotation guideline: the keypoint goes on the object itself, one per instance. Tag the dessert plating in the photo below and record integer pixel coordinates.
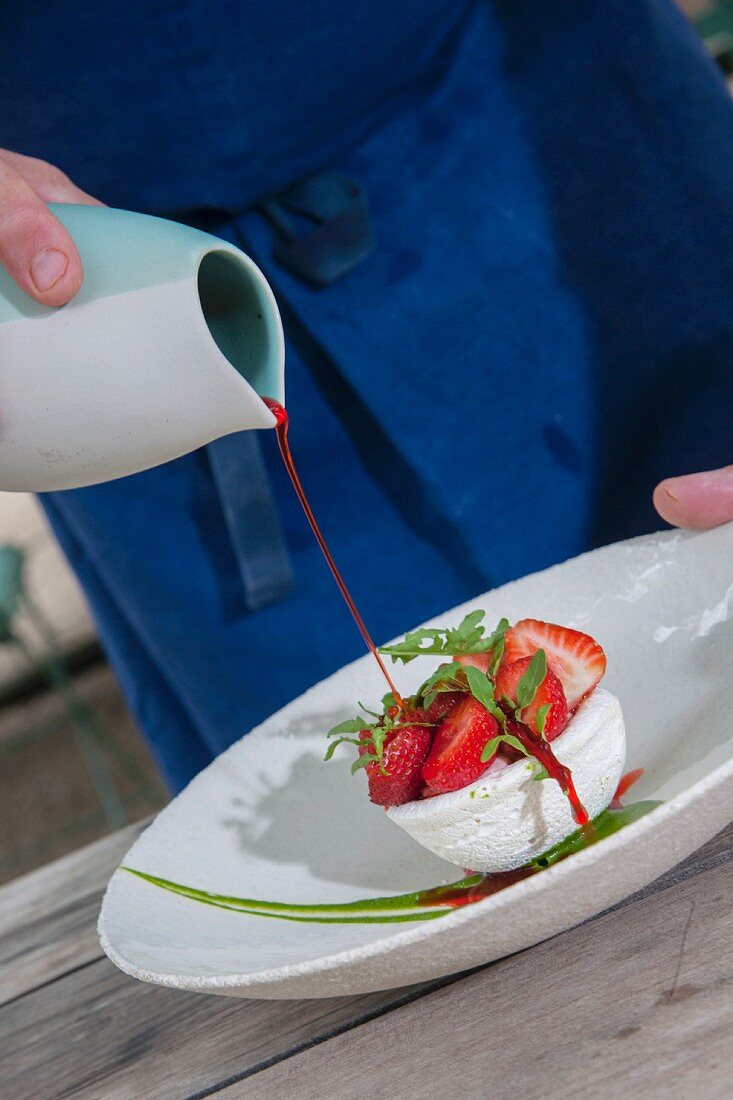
(505, 750)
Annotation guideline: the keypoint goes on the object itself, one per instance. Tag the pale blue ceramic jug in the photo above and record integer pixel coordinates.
(171, 342)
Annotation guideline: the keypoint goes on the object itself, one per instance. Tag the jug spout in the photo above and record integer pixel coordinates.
(172, 341)
(240, 313)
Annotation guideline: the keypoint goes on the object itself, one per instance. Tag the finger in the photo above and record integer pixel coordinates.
(48, 181)
(696, 500)
(35, 247)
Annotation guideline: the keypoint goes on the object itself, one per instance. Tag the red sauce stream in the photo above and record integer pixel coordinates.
(537, 747)
(281, 429)
(557, 771)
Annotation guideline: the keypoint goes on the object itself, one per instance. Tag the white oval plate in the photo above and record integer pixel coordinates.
(269, 820)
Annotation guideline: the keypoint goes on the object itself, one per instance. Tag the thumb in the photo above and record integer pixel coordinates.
(35, 248)
(696, 500)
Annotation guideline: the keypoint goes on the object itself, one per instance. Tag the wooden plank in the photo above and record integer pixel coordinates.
(48, 918)
(636, 1003)
(98, 1034)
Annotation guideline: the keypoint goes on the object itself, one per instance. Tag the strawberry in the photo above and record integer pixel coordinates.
(575, 658)
(549, 693)
(481, 661)
(399, 777)
(455, 756)
(441, 704)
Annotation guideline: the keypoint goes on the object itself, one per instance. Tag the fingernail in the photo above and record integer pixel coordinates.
(47, 267)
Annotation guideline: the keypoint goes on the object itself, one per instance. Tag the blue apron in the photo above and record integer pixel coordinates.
(486, 373)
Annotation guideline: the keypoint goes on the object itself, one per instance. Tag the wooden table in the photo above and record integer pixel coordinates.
(636, 1003)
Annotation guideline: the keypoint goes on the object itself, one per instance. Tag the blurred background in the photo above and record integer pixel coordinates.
(72, 764)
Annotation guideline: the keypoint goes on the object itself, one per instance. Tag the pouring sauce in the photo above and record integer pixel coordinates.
(281, 429)
(534, 745)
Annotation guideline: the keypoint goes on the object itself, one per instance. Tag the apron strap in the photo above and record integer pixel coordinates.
(250, 513)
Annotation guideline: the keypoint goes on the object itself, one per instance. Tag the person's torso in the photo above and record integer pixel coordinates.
(174, 106)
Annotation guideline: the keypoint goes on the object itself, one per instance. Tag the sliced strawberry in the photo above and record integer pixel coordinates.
(399, 778)
(455, 756)
(442, 703)
(549, 693)
(575, 658)
(481, 661)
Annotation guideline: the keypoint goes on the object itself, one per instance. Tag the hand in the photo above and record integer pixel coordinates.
(35, 248)
(696, 500)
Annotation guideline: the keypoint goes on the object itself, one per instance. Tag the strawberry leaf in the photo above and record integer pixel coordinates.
(516, 744)
(379, 735)
(490, 748)
(541, 718)
(505, 738)
(531, 680)
(467, 637)
(480, 687)
(416, 644)
(497, 638)
(497, 652)
(351, 725)
(362, 761)
(340, 741)
(450, 677)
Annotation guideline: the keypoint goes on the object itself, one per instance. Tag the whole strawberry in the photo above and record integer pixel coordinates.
(398, 778)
